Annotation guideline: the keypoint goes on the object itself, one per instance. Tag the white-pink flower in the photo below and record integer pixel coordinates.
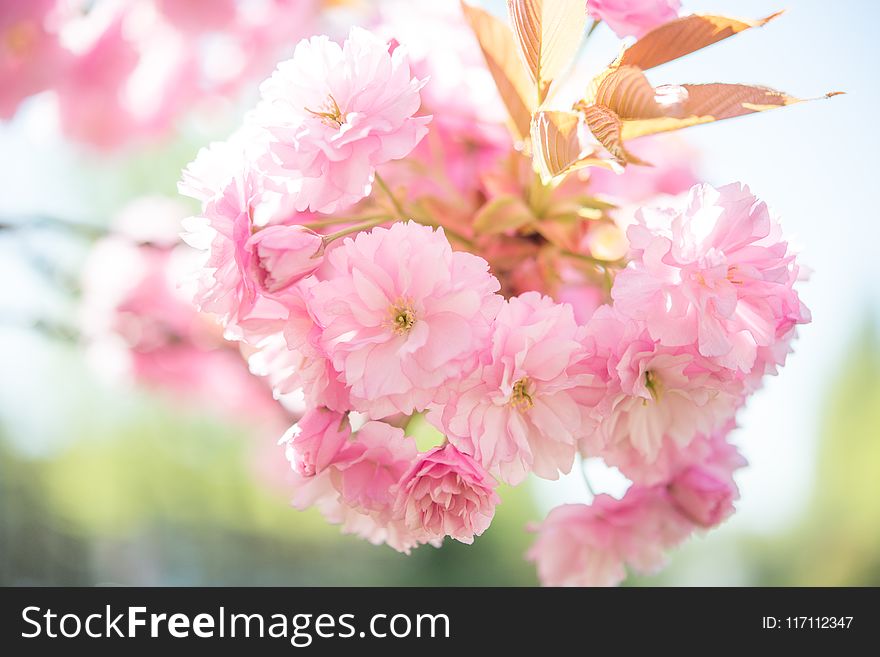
(378, 459)
(527, 406)
(335, 113)
(317, 441)
(655, 392)
(716, 275)
(403, 316)
(446, 493)
(292, 358)
(633, 17)
(249, 266)
(357, 487)
(282, 255)
(591, 545)
(672, 458)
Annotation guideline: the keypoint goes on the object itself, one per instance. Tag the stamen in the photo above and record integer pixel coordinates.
(403, 318)
(654, 386)
(520, 398)
(331, 114)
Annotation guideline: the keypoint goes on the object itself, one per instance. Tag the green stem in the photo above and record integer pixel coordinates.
(332, 221)
(605, 264)
(355, 229)
(384, 187)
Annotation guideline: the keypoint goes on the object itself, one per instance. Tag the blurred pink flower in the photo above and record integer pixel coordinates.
(31, 58)
(591, 545)
(403, 316)
(716, 274)
(446, 493)
(527, 406)
(633, 17)
(673, 171)
(316, 441)
(702, 496)
(141, 328)
(198, 15)
(337, 112)
(467, 135)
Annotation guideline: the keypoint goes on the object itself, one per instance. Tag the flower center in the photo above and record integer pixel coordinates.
(330, 114)
(732, 272)
(654, 386)
(403, 318)
(20, 37)
(520, 397)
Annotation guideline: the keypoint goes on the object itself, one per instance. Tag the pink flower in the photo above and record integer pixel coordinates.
(703, 496)
(715, 274)
(379, 457)
(672, 458)
(249, 268)
(403, 316)
(31, 58)
(335, 114)
(357, 487)
(225, 286)
(673, 172)
(468, 135)
(633, 17)
(321, 493)
(581, 545)
(446, 493)
(317, 441)
(198, 15)
(655, 391)
(527, 406)
(282, 255)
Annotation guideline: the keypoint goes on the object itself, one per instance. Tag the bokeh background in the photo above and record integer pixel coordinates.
(103, 481)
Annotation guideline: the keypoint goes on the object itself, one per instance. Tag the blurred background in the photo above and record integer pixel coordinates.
(135, 447)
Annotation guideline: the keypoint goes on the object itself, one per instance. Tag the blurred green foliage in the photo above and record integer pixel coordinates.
(838, 542)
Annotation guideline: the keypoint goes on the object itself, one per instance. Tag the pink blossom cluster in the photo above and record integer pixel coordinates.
(352, 295)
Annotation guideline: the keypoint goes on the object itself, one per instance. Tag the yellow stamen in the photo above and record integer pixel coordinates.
(403, 318)
(331, 114)
(654, 386)
(520, 397)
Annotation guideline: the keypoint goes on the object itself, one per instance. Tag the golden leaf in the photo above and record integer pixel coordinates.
(500, 51)
(556, 147)
(548, 33)
(683, 36)
(625, 91)
(606, 127)
(502, 214)
(643, 109)
(705, 103)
